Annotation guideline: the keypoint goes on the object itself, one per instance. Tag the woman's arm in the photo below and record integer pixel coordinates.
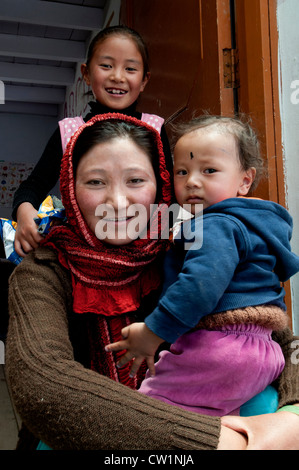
(275, 431)
(67, 406)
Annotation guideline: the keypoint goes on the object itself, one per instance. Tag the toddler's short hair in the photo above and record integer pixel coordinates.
(240, 128)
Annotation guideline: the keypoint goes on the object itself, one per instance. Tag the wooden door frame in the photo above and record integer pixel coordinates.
(257, 43)
(249, 27)
(258, 94)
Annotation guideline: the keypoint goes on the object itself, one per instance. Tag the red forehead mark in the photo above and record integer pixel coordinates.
(191, 155)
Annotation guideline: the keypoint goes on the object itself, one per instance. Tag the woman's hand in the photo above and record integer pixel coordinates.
(140, 343)
(273, 431)
(231, 440)
(27, 237)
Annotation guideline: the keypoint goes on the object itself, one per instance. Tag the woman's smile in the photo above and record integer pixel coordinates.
(115, 189)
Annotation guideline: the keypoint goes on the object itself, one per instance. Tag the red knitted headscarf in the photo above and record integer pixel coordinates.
(109, 281)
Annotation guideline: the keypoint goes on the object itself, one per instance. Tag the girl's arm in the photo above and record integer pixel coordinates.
(31, 194)
(43, 177)
(27, 237)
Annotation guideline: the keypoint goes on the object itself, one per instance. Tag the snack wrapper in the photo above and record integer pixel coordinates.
(8, 231)
(50, 211)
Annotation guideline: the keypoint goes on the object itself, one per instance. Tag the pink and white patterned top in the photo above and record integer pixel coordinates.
(68, 126)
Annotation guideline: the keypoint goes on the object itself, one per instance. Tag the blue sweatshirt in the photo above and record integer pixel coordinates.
(244, 257)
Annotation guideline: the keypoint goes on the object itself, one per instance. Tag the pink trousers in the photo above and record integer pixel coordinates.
(214, 372)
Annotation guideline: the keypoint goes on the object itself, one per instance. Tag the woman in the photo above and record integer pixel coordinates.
(72, 296)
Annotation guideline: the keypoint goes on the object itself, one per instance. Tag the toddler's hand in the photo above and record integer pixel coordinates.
(140, 343)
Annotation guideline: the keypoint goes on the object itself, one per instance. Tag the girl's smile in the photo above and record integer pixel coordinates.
(116, 73)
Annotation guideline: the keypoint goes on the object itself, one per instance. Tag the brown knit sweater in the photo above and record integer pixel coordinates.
(70, 407)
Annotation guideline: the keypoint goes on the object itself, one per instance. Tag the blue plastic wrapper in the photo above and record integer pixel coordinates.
(50, 211)
(8, 231)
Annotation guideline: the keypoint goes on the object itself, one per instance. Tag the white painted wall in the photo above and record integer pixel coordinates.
(288, 21)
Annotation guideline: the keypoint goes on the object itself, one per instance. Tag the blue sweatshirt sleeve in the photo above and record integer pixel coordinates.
(205, 275)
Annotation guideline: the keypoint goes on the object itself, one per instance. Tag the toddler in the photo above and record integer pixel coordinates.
(222, 300)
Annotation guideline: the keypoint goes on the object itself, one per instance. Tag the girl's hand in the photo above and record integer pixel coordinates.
(140, 343)
(273, 431)
(27, 237)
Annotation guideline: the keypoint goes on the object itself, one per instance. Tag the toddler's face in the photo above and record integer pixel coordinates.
(207, 169)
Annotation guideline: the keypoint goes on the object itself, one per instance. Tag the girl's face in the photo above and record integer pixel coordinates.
(115, 72)
(207, 169)
(111, 178)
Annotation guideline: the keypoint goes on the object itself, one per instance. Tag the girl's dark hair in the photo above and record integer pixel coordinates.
(245, 137)
(120, 30)
(105, 131)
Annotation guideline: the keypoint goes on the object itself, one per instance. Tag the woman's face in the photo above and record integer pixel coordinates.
(115, 187)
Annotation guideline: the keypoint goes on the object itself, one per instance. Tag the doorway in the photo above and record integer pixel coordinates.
(218, 56)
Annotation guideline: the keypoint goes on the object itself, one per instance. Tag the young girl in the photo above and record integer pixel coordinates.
(117, 70)
(221, 300)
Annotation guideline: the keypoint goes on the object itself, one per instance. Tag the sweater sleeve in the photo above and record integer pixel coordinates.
(67, 406)
(43, 177)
